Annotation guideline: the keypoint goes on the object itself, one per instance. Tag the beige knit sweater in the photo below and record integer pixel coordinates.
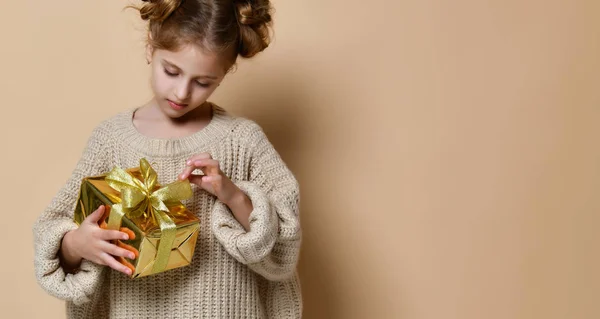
(233, 274)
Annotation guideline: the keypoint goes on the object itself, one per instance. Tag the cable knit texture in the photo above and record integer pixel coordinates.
(234, 273)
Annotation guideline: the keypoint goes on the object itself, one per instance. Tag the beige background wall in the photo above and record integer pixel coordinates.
(447, 150)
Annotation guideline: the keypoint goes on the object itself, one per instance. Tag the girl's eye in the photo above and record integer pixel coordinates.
(170, 73)
(204, 85)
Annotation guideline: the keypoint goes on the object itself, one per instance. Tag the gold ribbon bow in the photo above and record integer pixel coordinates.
(146, 198)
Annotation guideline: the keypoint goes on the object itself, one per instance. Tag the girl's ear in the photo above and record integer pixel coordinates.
(149, 53)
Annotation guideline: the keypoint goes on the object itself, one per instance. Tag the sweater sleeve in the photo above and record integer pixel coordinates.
(57, 219)
(271, 247)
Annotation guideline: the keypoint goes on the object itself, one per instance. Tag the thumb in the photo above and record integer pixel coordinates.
(96, 215)
(196, 179)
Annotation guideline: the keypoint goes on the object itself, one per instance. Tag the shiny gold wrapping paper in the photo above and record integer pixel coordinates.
(96, 191)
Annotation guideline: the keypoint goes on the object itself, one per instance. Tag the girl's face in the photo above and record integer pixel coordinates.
(183, 80)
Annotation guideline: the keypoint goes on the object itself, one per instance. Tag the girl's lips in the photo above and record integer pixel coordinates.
(176, 106)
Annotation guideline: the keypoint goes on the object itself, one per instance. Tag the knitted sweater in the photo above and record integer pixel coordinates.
(233, 274)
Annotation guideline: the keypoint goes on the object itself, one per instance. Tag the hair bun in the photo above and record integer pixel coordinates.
(254, 17)
(158, 10)
(254, 12)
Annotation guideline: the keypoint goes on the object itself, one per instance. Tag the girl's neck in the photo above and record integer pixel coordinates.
(199, 114)
(151, 121)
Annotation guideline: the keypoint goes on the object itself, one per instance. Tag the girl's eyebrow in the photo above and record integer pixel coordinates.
(179, 70)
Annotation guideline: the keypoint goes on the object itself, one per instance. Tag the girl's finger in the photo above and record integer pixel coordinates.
(208, 166)
(108, 234)
(129, 232)
(126, 263)
(111, 262)
(132, 249)
(208, 183)
(98, 260)
(213, 179)
(125, 230)
(96, 215)
(117, 251)
(102, 222)
(190, 167)
(187, 172)
(196, 179)
(196, 157)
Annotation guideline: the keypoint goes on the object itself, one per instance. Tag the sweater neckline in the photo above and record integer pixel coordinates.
(169, 147)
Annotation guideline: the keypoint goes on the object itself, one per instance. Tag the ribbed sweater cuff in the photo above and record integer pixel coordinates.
(251, 246)
(51, 276)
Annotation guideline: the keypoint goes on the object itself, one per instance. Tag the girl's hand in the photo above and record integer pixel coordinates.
(218, 184)
(213, 181)
(91, 242)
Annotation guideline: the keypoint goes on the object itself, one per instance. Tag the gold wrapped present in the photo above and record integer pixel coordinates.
(165, 231)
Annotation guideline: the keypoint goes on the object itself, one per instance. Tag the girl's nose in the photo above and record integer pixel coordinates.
(182, 91)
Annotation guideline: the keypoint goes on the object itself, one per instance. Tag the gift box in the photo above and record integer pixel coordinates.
(165, 231)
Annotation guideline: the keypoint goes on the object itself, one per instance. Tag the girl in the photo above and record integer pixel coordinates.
(244, 264)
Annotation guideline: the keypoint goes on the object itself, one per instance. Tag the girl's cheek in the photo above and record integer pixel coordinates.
(161, 84)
